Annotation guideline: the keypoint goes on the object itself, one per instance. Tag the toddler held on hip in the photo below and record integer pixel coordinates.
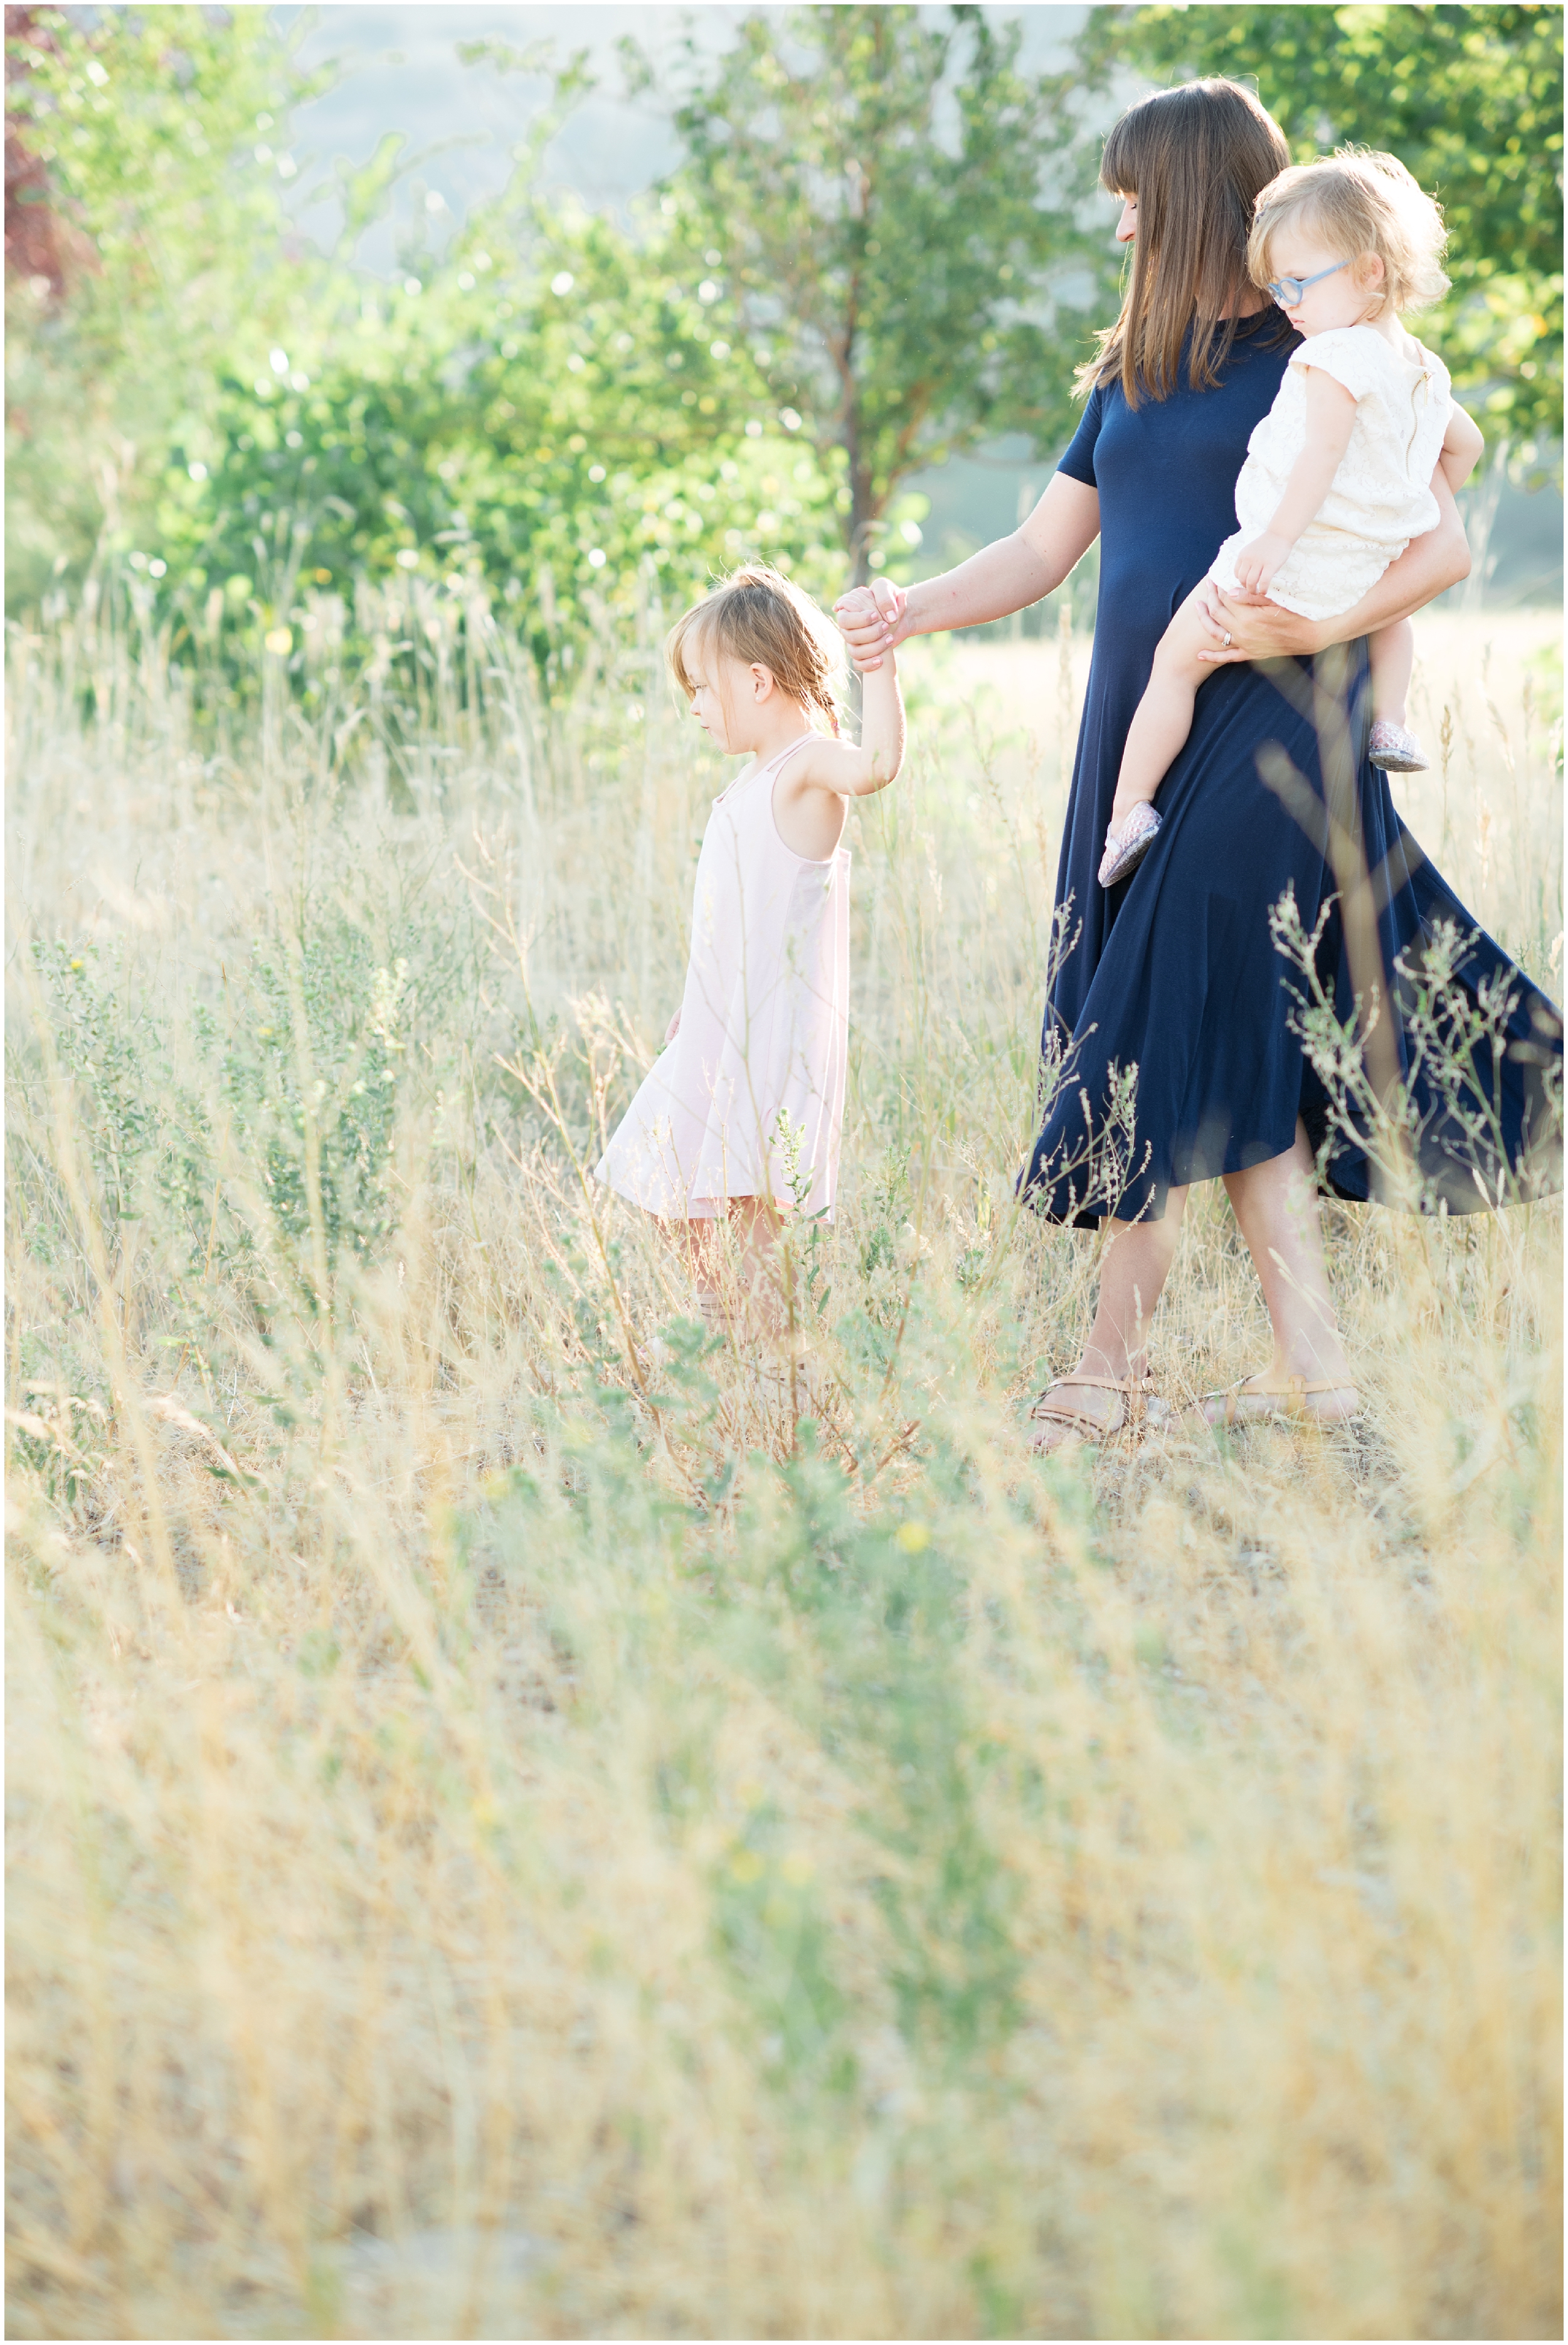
(739, 1118)
(1337, 480)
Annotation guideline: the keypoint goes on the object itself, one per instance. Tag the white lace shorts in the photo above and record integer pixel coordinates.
(1326, 571)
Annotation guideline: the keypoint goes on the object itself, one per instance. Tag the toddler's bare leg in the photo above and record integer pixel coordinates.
(1164, 716)
(1391, 651)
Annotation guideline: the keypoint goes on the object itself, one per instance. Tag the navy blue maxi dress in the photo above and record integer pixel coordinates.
(1173, 1044)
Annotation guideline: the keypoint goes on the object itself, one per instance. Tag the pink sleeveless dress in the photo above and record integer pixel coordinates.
(748, 1099)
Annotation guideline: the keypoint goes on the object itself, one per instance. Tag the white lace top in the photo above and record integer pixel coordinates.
(1381, 496)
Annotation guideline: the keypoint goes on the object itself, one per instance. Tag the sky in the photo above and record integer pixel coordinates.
(400, 70)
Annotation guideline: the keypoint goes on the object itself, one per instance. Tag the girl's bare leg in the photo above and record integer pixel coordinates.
(1391, 652)
(756, 1225)
(1276, 1204)
(738, 1291)
(1163, 718)
(1137, 1262)
(697, 1242)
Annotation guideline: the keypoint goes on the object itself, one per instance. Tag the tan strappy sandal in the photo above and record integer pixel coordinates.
(1136, 1396)
(1285, 1404)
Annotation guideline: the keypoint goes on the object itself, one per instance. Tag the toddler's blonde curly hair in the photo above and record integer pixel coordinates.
(756, 615)
(1358, 202)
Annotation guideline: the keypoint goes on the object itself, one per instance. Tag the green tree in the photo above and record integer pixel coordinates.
(565, 423)
(889, 203)
(559, 415)
(154, 141)
(1469, 98)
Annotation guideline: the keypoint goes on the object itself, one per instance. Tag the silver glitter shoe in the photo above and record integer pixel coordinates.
(1395, 751)
(1126, 848)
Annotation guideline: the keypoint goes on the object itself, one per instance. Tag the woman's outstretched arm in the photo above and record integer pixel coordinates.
(1259, 631)
(1000, 579)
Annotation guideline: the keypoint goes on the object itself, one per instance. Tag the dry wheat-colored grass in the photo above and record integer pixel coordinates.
(509, 1835)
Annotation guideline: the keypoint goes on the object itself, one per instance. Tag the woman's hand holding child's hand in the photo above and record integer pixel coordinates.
(871, 619)
(1247, 627)
(1257, 561)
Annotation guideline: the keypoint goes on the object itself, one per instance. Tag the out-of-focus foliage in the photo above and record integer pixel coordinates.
(561, 413)
(156, 147)
(1471, 101)
(890, 202)
(566, 425)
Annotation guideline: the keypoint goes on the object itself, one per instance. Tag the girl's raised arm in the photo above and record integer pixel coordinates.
(852, 772)
(1004, 577)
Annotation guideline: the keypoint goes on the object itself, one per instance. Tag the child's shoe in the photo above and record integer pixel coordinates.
(1126, 848)
(1395, 751)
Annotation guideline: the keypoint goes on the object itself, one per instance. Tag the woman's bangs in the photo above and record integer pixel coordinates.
(1118, 165)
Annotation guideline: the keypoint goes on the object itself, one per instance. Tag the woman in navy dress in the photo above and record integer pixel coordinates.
(1172, 1046)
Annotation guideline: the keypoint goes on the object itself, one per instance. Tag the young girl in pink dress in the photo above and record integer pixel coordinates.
(739, 1117)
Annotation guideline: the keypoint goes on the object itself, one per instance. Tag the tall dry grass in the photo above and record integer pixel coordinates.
(510, 1836)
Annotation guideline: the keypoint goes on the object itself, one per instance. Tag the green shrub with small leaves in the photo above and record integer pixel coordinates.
(255, 1130)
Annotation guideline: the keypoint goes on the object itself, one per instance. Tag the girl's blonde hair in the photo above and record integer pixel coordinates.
(1195, 158)
(757, 615)
(1358, 203)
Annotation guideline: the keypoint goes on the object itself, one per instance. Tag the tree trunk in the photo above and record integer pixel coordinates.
(864, 506)
(865, 512)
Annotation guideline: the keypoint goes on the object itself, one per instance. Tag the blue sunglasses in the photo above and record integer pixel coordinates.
(1288, 290)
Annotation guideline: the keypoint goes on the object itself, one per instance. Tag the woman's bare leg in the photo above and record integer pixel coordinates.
(1137, 1262)
(1276, 1204)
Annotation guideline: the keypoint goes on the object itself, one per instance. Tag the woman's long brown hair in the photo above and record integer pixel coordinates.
(1196, 158)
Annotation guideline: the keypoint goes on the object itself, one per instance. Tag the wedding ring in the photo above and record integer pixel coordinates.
(1227, 643)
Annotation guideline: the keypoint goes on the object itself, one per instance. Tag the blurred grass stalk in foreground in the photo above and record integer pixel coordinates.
(509, 1834)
